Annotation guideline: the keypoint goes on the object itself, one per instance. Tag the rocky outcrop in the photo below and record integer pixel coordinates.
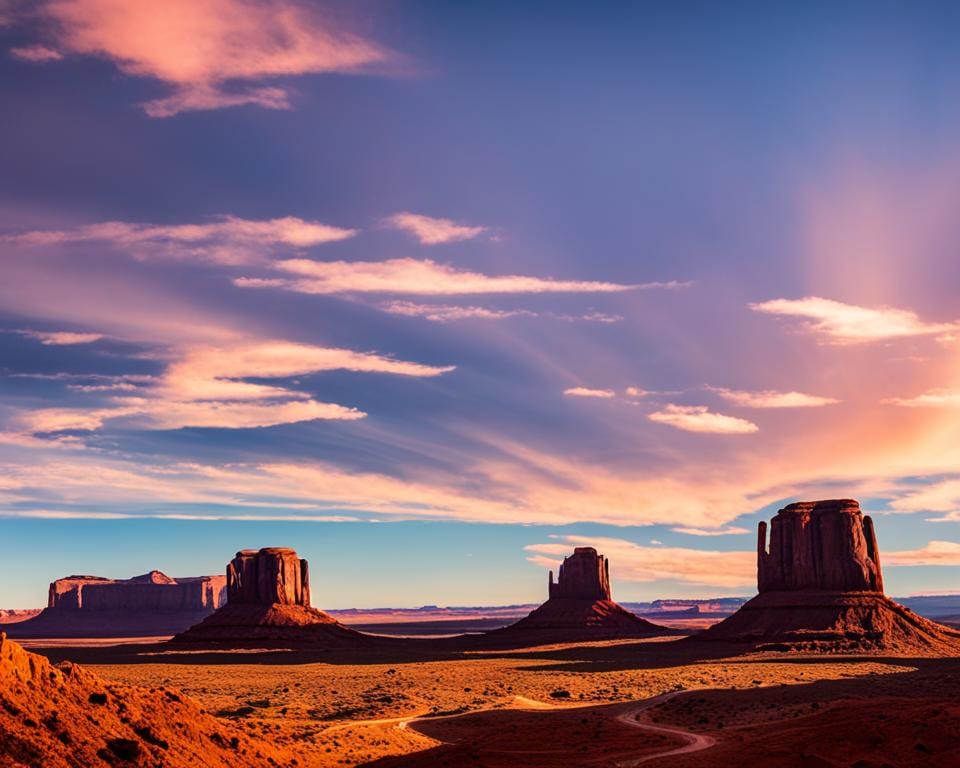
(825, 545)
(584, 575)
(64, 716)
(268, 576)
(268, 603)
(579, 607)
(821, 589)
(150, 604)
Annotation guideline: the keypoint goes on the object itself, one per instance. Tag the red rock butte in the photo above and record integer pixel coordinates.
(268, 602)
(151, 604)
(821, 588)
(579, 606)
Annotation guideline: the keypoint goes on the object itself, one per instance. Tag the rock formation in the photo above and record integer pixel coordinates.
(268, 602)
(151, 604)
(579, 607)
(821, 588)
(64, 716)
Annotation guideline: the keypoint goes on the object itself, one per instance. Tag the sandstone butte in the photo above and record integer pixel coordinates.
(268, 602)
(820, 588)
(579, 606)
(151, 604)
(66, 717)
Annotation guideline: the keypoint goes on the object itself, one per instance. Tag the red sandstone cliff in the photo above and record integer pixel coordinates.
(151, 604)
(821, 589)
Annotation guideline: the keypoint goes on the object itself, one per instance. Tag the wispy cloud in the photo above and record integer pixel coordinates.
(726, 530)
(842, 323)
(448, 313)
(587, 392)
(941, 497)
(433, 231)
(935, 398)
(212, 53)
(61, 338)
(420, 277)
(771, 399)
(37, 54)
(635, 562)
(934, 553)
(699, 418)
(208, 387)
(226, 240)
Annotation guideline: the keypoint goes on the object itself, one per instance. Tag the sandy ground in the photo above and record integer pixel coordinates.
(552, 704)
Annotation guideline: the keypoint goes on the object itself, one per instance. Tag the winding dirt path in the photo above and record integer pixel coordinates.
(695, 741)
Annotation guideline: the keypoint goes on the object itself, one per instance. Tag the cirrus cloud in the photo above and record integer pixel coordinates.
(61, 338)
(841, 323)
(935, 398)
(587, 392)
(420, 277)
(771, 399)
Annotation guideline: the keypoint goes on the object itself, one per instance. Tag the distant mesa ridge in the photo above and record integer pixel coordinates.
(820, 588)
(150, 604)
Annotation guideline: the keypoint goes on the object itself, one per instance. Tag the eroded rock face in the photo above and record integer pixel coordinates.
(821, 545)
(584, 575)
(269, 576)
(153, 591)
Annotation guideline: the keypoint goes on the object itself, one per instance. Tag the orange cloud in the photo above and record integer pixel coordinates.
(213, 53)
(849, 324)
(935, 398)
(934, 553)
(425, 277)
(699, 418)
(433, 231)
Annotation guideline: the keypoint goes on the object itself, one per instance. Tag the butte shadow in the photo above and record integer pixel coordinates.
(821, 590)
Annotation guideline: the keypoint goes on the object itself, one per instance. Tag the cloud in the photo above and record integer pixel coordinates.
(432, 231)
(422, 277)
(849, 324)
(635, 562)
(636, 392)
(942, 496)
(61, 338)
(37, 54)
(771, 399)
(935, 398)
(934, 553)
(226, 240)
(212, 53)
(207, 387)
(727, 530)
(698, 418)
(448, 313)
(587, 392)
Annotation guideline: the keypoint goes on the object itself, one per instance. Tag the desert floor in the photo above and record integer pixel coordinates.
(592, 704)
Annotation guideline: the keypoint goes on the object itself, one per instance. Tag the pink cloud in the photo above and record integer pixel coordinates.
(62, 338)
(850, 324)
(587, 392)
(433, 231)
(426, 277)
(934, 553)
(38, 54)
(213, 53)
(699, 418)
(767, 398)
(226, 240)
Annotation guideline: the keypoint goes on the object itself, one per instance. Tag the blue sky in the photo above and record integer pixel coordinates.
(435, 292)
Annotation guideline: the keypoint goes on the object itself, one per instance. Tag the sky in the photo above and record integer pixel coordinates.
(435, 292)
